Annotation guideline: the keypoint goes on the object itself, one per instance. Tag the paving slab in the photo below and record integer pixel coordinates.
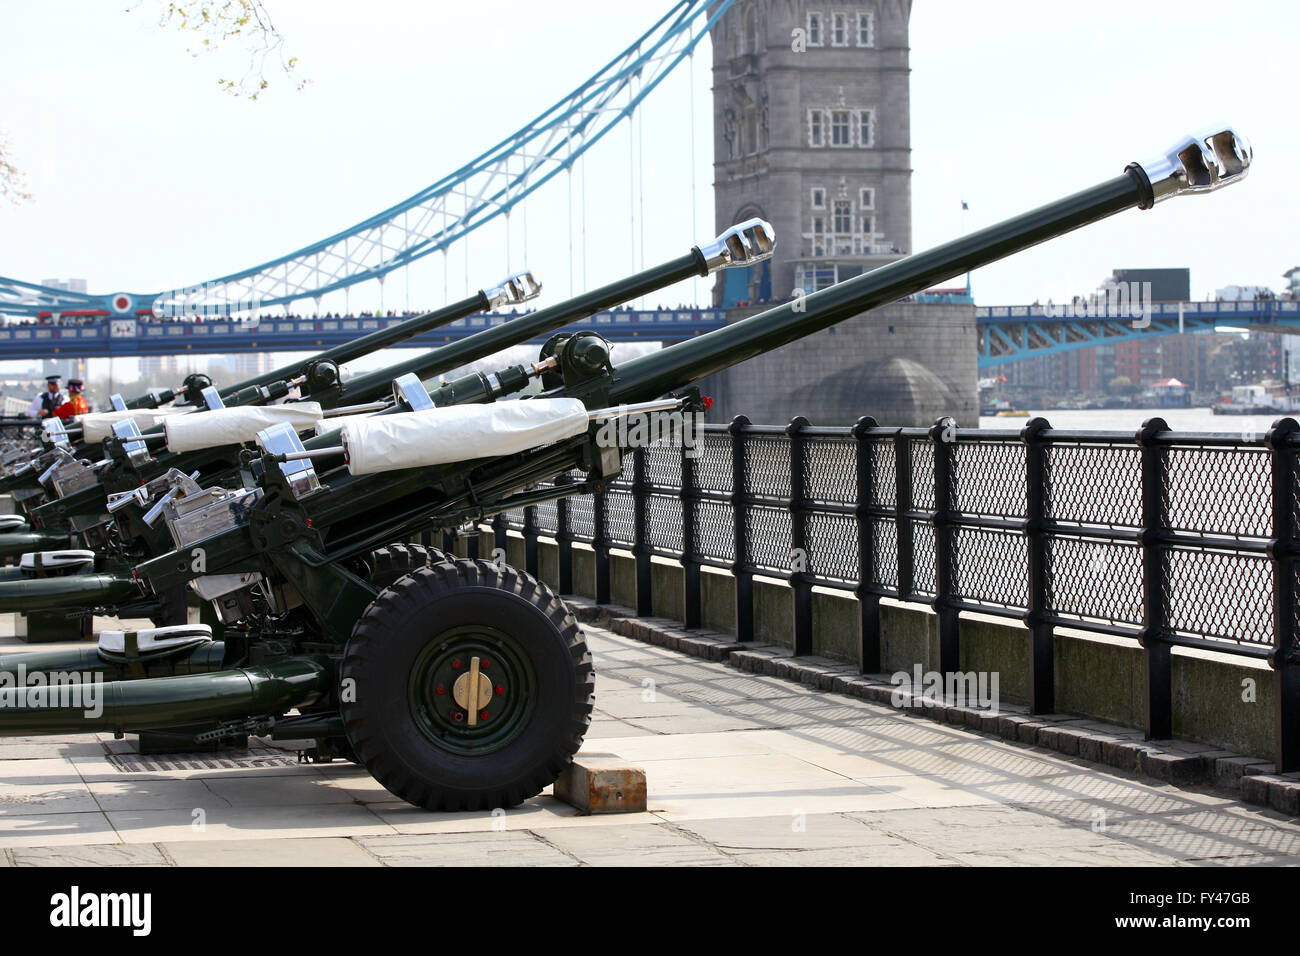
(57, 829)
(503, 848)
(641, 844)
(112, 854)
(309, 851)
(236, 823)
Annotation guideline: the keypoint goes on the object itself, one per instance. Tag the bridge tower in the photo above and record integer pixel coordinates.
(812, 132)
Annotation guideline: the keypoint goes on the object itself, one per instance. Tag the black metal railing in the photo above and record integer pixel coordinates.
(1169, 538)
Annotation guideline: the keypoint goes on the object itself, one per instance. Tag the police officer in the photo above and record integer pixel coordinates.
(47, 402)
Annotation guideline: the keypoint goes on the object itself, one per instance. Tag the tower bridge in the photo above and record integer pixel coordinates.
(810, 133)
(1005, 333)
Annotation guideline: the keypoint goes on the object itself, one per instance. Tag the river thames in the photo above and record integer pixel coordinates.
(1131, 419)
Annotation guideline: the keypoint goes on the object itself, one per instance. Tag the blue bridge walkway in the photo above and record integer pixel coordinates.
(1007, 333)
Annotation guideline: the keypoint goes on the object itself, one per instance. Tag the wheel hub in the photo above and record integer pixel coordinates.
(471, 690)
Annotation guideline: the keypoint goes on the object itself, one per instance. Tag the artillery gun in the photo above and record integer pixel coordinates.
(463, 684)
(318, 377)
(131, 468)
(133, 480)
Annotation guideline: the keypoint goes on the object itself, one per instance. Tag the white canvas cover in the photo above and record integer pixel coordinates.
(99, 425)
(156, 639)
(436, 436)
(338, 421)
(34, 560)
(234, 426)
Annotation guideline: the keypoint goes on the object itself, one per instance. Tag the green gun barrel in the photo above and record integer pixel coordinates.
(71, 592)
(160, 702)
(86, 659)
(1198, 164)
(374, 341)
(17, 543)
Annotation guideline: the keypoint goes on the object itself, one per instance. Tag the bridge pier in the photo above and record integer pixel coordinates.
(908, 363)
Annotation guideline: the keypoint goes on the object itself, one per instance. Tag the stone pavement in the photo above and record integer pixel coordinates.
(743, 770)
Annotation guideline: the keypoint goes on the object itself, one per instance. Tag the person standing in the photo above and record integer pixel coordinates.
(76, 403)
(47, 402)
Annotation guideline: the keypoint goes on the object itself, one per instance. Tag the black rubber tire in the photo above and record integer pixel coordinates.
(408, 618)
(394, 561)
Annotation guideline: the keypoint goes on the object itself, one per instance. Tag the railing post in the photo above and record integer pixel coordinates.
(564, 539)
(1282, 554)
(691, 612)
(1042, 681)
(942, 436)
(640, 532)
(868, 598)
(800, 573)
(740, 567)
(1155, 602)
(530, 539)
(902, 515)
(600, 544)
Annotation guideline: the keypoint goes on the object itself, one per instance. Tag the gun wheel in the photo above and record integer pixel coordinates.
(466, 686)
(385, 565)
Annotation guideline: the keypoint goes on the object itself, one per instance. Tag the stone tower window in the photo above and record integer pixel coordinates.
(814, 29)
(750, 33)
(843, 221)
(866, 129)
(866, 29)
(818, 197)
(839, 29)
(840, 135)
(867, 198)
(816, 133)
(749, 130)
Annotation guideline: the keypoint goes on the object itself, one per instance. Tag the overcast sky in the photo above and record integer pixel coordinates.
(146, 176)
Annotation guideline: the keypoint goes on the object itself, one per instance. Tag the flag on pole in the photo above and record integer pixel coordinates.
(964, 207)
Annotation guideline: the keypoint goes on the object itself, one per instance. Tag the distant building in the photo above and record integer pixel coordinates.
(1292, 276)
(1167, 285)
(1242, 293)
(66, 285)
(1171, 392)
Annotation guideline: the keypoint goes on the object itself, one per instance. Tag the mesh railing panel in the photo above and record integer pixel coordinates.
(988, 478)
(1093, 580)
(831, 467)
(1219, 491)
(1094, 485)
(991, 567)
(1222, 595)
